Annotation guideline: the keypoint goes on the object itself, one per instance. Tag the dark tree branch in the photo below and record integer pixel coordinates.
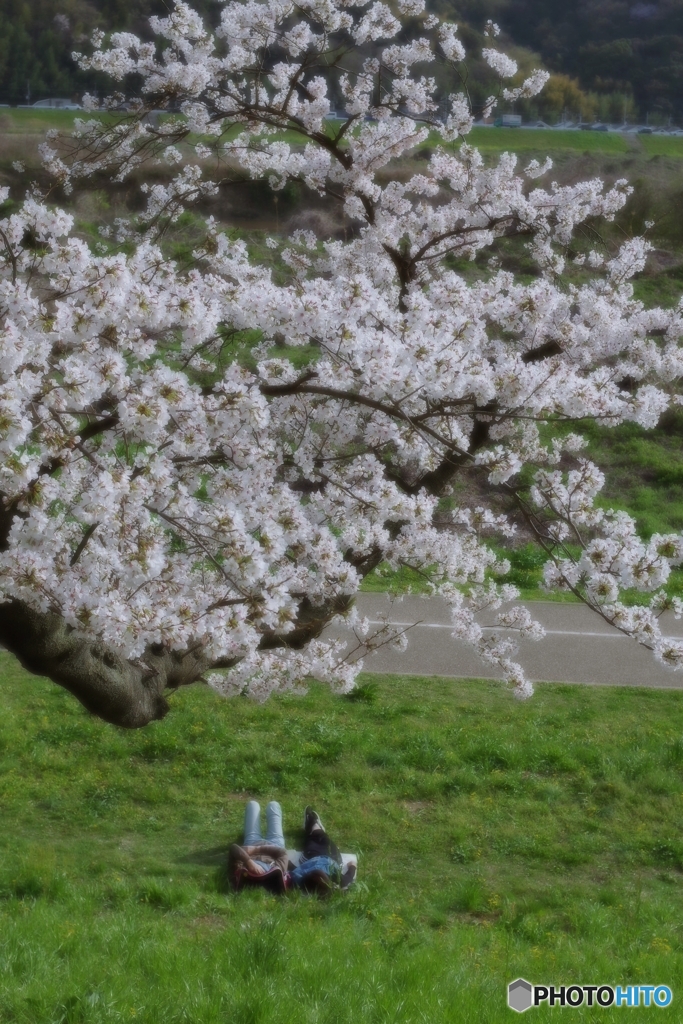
(121, 692)
(98, 427)
(436, 479)
(536, 355)
(310, 622)
(82, 546)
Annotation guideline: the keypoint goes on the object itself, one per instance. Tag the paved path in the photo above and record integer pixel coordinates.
(578, 648)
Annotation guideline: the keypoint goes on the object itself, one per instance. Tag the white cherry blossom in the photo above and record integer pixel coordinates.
(192, 518)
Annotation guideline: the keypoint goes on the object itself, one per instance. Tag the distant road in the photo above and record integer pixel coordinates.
(578, 648)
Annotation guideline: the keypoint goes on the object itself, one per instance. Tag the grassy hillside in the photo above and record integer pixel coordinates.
(32, 124)
(662, 145)
(549, 140)
(644, 477)
(495, 839)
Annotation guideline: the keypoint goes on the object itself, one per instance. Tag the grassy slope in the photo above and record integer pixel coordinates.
(644, 471)
(22, 130)
(548, 141)
(556, 140)
(20, 121)
(644, 477)
(662, 145)
(495, 839)
(17, 121)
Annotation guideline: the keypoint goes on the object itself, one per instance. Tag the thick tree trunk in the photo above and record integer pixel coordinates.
(107, 684)
(121, 692)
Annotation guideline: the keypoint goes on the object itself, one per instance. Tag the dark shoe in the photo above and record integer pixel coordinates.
(349, 876)
(312, 822)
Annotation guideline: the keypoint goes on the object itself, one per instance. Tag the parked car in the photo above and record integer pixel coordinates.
(56, 104)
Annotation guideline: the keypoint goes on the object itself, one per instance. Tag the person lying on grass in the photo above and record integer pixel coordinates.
(266, 862)
(258, 856)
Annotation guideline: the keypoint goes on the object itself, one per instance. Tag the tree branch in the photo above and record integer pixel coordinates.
(121, 692)
(98, 427)
(81, 547)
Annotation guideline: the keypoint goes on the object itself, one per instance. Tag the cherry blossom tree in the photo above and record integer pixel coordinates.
(170, 515)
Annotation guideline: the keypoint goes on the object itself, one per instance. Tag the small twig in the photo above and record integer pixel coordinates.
(10, 253)
(81, 547)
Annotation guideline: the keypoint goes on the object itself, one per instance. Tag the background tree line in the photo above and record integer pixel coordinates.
(37, 38)
(619, 53)
(611, 59)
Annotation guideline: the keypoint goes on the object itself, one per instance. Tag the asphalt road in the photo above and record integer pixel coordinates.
(579, 647)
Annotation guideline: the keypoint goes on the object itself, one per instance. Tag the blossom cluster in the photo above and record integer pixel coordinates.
(242, 515)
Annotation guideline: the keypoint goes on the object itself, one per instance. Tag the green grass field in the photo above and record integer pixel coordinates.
(496, 839)
(27, 121)
(644, 477)
(662, 145)
(547, 140)
(19, 121)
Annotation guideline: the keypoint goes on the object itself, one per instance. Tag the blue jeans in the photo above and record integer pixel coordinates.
(252, 825)
(326, 864)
